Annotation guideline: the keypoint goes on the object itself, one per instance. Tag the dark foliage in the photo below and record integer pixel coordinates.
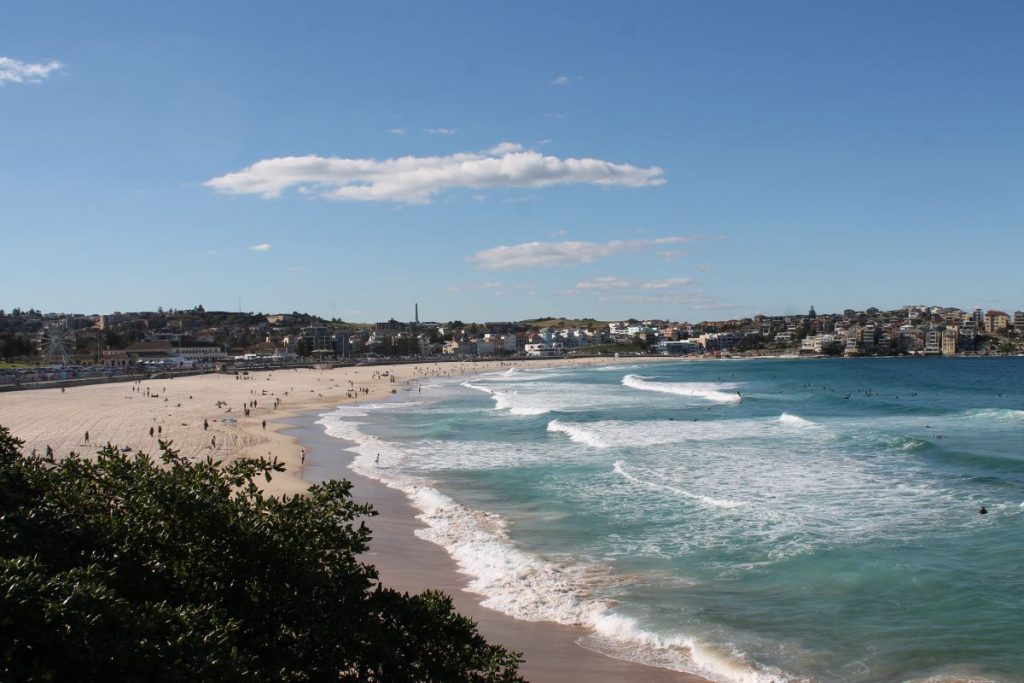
(127, 568)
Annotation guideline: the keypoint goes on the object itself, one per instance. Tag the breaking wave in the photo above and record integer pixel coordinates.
(710, 391)
(577, 434)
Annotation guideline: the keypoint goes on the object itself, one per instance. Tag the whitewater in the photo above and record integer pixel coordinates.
(762, 520)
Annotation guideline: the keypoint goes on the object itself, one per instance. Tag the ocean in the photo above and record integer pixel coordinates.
(744, 520)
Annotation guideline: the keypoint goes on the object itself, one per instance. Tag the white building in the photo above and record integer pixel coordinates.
(554, 349)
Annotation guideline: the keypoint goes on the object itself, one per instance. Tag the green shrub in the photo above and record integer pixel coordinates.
(123, 567)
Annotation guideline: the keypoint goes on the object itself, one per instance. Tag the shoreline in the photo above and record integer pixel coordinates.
(272, 414)
(408, 563)
(214, 414)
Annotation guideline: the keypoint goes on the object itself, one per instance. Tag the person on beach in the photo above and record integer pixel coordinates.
(206, 425)
(264, 424)
(302, 456)
(151, 432)
(213, 442)
(377, 461)
(87, 436)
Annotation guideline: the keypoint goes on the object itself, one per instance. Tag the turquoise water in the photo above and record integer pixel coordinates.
(745, 520)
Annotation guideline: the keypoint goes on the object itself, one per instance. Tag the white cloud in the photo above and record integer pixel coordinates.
(603, 283)
(549, 254)
(608, 282)
(15, 71)
(667, 284)
(561, 80)
(440, 131)
(260, 247)
(398, 131)
(505, 148)
(415, 180)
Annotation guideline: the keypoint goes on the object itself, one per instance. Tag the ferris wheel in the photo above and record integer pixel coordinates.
(58, 342)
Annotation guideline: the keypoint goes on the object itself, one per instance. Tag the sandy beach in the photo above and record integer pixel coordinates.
(272, 413)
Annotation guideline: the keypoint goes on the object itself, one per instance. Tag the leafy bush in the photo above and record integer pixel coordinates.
(123, 567)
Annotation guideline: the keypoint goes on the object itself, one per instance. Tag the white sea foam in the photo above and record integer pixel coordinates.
(528, 587)
(537, 398)
(709, 391)
(796, 421)
(516, 375)
(520, 404)
(690, 432)
(902, 443)
(512, 401)
(994, 414)
(441, 455)
(470, 385)
(577, 434)
(620, 469)
(621, 637)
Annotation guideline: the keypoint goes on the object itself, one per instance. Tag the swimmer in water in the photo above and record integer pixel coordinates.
(982, 511)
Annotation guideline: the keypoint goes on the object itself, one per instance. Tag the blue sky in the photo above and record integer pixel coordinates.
(491, 161)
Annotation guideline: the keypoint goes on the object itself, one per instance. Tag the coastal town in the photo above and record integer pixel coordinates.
(195, 338)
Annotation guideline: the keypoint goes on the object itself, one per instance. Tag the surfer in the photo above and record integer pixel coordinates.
(982, 511)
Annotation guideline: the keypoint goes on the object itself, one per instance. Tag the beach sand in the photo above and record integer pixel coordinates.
(122, 414)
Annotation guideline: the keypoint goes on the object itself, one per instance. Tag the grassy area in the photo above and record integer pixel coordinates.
(5, 365)
(563, 322)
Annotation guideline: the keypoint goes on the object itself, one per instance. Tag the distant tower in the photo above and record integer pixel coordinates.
(417, 314)
(811, 314)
